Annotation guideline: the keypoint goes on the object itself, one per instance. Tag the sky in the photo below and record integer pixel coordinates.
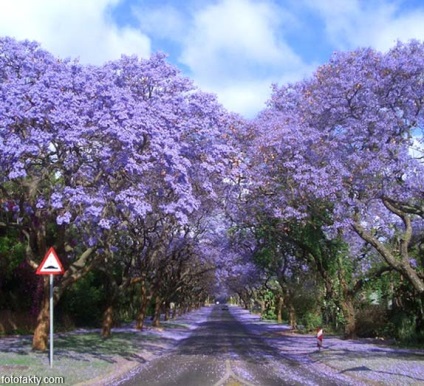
(235, 49)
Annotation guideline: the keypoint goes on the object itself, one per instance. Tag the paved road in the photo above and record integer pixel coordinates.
(224, 352)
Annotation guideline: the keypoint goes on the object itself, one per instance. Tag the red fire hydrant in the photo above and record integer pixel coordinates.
(320, 336)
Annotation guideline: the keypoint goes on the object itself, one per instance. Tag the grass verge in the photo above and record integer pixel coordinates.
(83, 356)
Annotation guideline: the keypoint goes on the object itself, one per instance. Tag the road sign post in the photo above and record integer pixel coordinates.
(51, 266)
(51, 320)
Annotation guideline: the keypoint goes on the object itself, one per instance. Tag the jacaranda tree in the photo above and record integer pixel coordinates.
(347, 137)
(86, 152)
(348, 140)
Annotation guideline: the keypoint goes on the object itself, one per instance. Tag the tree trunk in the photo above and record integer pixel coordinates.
(347, 301)
(279, 303)
(419, 323)
(174, 311)
(402, 266)
(292, 316)
(349, 315)
(107, 322)
(180, 310)
(244, 300)
(143, 307)
(41, 332)
(262, 303)
(167, 311)
(156, 315)
(77, 270)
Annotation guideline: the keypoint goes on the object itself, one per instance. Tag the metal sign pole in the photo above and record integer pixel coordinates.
(51, 266)
(51, 320)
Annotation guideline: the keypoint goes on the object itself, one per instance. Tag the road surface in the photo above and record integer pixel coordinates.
(224, 351)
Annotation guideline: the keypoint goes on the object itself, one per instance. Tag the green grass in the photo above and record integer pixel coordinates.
(173, 325)
(37, 364)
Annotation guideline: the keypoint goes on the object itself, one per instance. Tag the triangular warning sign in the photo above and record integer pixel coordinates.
(50, 265)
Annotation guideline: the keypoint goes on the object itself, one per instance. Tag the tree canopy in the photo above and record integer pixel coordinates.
(134, 174)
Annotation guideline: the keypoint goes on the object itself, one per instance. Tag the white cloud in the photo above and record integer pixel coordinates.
(377, 24)
(246, 98)
(249, 96)
(404, 28)
(235, 49)
(234, 32)
(72, 28)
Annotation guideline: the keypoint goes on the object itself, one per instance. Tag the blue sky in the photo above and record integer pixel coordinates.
(233, 48)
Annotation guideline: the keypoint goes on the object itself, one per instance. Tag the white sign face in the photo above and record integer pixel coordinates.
(50, 265)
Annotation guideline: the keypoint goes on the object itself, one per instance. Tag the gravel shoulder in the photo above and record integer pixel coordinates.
(83, 358)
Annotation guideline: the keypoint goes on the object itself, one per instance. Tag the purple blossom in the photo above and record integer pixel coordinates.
(56, 200)
(41, 203)
(343, 138)
(92, 241)
(65, 218)
(105, 224)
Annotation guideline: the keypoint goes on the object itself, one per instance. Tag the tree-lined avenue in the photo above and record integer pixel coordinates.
(224, 350)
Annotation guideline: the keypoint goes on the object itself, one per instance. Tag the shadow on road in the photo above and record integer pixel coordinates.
(223, 336)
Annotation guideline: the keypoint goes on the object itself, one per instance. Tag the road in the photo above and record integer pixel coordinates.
(224, 351)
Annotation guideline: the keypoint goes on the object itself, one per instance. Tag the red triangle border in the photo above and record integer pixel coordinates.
(40, 267)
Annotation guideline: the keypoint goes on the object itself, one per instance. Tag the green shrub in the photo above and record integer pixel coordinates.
(83, 303)
(311, 320)
(371, 321)
(405, 329)
(269, 314)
